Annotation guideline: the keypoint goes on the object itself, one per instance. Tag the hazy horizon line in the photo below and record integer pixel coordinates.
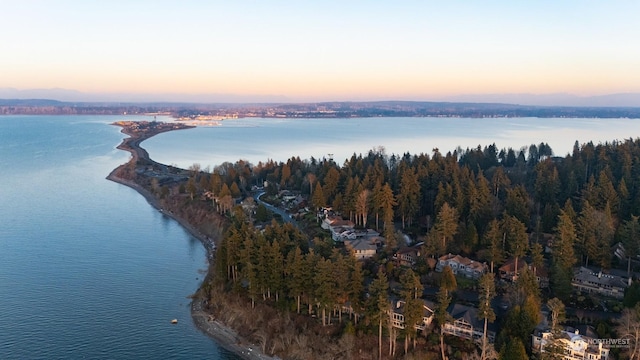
(527, 99)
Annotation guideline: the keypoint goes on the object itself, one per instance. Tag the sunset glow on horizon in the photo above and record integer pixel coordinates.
(329, 50)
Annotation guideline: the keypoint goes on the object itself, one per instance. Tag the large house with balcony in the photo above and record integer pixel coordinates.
(462, 266)
(397, 315)
(464, 323)
(407, 256)
(576, 344)
(592, 282)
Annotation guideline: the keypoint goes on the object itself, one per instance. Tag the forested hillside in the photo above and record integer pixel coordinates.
(486, 203)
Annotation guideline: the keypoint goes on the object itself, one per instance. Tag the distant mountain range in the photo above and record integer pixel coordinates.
(75, 96)
(558, 99)
(611, 100)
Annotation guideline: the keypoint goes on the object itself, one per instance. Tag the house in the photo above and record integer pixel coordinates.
(361, 248)
(397, 315)
(407, 256)
(333, 220)
(507, 272)
(591, 282)
(576, 344)
(464, 323)
(461, 265)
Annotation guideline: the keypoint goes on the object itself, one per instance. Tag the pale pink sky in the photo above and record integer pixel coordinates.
(324, 50)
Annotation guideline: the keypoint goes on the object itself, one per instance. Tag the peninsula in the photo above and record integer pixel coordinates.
(148, 177)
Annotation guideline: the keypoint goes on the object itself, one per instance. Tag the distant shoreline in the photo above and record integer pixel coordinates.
(224, 336)
(330, 109)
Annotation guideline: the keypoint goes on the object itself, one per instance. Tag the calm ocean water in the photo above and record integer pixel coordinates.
(88, 269)
(279, 139)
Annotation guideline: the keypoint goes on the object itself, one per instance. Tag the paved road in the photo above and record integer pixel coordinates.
(285, 216)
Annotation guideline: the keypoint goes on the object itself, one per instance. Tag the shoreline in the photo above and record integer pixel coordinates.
(224, 336)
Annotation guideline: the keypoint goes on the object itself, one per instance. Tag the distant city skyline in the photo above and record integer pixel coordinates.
(554, 53)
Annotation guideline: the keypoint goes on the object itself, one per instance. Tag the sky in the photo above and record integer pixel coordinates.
(321, 50)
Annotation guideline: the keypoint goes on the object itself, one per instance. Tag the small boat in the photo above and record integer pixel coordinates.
(174, 321)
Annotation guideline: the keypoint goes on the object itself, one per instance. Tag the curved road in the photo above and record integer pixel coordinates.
(286, 217)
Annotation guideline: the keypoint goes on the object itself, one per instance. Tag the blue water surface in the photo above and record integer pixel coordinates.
(256, 139)
(88, 269)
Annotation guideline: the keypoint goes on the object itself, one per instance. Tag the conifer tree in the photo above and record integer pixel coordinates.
(485, 311)
(448, 281)
(564, 240)
(350, 196)
(330, 188)
(493, 239)
(309, 269)
(318, 198)
(413, 308)
(514, 350)
(446, 226)
(387, 203)
(356, 286)
(516, 238)
(376, 202)
(235, 190)
(630, 238)
(586, 232)
(324, 293)
(480, 208)
(341, 281)
(378, 304)
(275, 268)
(517, 204)
(441, 315)
(537, 257)
(409, 196)
(295, 272)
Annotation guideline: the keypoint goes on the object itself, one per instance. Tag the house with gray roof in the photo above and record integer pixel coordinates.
(362, 248)
(464, 323)
(596, 282)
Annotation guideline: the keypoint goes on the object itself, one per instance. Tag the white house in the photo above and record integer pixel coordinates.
(397, 315)
(576, 346)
